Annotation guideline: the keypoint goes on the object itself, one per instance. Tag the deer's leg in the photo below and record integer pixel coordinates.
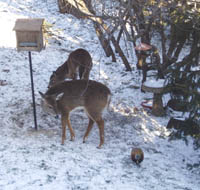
(74, 76)
(81, 71)
(90, 125)
(70, 129)
(66, 121)
(100, 123)
(86, 74)
(95, 115)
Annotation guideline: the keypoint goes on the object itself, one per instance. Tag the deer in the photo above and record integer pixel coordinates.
(79, 61)
(64, 97)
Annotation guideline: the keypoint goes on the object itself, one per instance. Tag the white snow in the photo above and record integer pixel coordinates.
(36, 160)
(155, 83)
(197, 68)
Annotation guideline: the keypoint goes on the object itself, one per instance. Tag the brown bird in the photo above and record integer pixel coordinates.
(137, 155)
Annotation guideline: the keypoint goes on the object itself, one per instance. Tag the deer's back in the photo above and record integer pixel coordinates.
(83, 88)
(81, 56)
(86, 93)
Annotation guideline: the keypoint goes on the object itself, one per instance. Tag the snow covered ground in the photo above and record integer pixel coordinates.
(36, 160)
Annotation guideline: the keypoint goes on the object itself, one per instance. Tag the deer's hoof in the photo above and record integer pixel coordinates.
(100, 146)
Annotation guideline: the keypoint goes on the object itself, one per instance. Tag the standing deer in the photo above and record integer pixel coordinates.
(78, 61)
(66, 96)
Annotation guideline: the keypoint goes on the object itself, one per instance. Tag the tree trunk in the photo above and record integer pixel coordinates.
(67, 7)
(85, 7)
(121, 54)
(104, 42)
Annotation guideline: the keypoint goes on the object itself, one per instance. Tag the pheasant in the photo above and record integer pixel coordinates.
(137, 155)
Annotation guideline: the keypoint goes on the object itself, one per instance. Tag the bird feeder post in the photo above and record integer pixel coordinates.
(29, 38)
(32, 88)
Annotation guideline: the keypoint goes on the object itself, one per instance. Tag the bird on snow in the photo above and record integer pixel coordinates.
(137, 155)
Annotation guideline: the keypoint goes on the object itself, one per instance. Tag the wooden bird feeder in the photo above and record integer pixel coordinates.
(29, 37)
(29, 34)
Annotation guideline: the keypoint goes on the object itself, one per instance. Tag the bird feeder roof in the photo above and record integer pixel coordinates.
(33, 25)
(143, 47)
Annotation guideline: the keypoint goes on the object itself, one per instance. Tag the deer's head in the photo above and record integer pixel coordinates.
(54, 79)
(49, 103)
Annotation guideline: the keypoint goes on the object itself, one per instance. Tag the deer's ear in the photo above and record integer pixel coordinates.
(42, 95)
(59, 96)
(53, 74)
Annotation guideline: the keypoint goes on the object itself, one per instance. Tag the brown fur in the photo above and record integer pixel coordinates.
(78, 61)
(91, 95)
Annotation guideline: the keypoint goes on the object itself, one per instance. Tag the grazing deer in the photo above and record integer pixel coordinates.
(66, 96)
(78, 61)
